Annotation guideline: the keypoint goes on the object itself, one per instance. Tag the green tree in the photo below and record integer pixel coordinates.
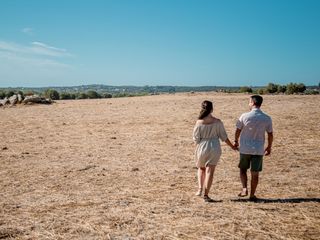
(2, 94)
(107, 95)
(82, 95)
(9, 94)
(93, 94)
(65, 96)
(301, 87)
(272, 88)
(52, 94)
(261, 91)
(295, 88)
(281, 89)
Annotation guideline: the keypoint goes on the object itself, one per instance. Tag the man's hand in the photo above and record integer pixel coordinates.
(270, 140)
(267, 151)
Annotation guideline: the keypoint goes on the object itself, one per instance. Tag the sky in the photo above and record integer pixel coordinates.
(163, 42)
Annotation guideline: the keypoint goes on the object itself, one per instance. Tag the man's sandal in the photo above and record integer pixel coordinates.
(207, 198)
(253, 199)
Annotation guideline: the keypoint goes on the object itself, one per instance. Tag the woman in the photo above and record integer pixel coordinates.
(206, 133)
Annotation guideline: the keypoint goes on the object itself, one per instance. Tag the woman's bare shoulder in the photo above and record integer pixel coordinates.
(199, 121)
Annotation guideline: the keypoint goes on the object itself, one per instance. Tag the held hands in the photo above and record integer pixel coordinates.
(235, 146)
(267, 151)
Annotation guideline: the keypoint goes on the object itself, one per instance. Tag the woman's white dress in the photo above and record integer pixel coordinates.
(208, 150)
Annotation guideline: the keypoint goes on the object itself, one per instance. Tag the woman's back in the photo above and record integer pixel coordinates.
(209, 128)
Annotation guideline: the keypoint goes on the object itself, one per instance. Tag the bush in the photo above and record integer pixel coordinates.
(9, 94)
(281, 89)
(82, 96)
(107, 95)
(2, 94)
(118, 95)
(295, 88)
(272, 88)
(93, 94)
(52, 94)
(65, 96)
(246, 89)
(261, 91)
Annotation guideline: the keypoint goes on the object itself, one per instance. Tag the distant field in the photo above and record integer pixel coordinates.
(123, 169)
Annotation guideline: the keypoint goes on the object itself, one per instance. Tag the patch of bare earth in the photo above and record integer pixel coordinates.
(123, 169)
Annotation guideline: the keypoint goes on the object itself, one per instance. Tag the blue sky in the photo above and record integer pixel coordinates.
(163, 42)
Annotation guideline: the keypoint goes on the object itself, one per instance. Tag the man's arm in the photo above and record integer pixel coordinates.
(236, 137)
(270, 140)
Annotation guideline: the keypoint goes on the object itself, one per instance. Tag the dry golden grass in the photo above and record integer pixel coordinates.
(124, 169)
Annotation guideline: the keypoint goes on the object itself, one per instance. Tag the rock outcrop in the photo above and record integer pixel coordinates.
(18, 99)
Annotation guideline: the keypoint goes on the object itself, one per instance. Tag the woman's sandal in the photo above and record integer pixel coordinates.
(243, 195)
(199, 192)
(207, 198)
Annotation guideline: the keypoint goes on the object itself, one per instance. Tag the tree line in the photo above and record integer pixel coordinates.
(271, 88)
(55, 95)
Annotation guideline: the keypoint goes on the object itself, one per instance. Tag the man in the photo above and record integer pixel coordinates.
(251, 128)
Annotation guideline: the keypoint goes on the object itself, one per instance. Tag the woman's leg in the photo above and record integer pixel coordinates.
(201, 178)
(208, 179)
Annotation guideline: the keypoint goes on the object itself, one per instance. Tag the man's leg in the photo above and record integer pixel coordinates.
(256, 167)
(244, 164)
(254, 183)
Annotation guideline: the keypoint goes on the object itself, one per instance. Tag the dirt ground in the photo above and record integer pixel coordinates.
(124, 169)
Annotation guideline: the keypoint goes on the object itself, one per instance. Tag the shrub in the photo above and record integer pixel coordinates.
(9, 94)
(272, 88)
(295, 88)
(93, 94)
(82, 96)
(261, 91)
(107, 95)
(2, 94)
(65, 96)
(52, 94)
(246, 89)
(281, 89)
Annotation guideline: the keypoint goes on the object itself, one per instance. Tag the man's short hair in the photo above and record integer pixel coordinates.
(257, 100)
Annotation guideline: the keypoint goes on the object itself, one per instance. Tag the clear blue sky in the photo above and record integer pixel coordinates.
(163, 42)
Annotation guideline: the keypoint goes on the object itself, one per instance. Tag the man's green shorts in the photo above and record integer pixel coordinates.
(254, 160)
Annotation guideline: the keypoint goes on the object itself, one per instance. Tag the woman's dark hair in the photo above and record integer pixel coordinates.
(206, 108)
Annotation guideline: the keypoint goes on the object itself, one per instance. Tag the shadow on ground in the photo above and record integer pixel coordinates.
(279, 200)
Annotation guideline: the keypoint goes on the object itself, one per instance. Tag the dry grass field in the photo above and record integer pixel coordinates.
(124, 169)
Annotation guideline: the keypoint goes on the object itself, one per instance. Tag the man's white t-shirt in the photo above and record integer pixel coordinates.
(253, 125)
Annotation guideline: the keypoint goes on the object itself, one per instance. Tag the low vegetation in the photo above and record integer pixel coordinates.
(103, 91)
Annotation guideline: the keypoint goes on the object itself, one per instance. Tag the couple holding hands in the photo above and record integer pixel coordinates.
(250, 128)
